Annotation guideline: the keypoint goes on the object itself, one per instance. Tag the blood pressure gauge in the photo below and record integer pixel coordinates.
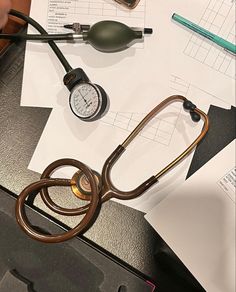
(88, 101)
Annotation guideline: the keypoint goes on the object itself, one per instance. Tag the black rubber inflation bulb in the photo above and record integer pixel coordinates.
(110, 36)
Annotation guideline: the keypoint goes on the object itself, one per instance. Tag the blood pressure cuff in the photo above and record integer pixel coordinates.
(73, 266)
(14, 24)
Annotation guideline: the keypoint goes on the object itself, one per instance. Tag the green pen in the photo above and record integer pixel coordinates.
(207, 34)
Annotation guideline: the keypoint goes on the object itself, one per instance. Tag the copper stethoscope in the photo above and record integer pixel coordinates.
(93, 187)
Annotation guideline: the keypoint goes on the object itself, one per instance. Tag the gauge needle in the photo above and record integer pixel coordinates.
(88, 105)
(83, 97)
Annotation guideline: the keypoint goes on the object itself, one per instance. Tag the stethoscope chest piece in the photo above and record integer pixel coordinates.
(81, 187)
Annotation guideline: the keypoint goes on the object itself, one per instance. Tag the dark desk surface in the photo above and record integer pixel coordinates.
(121, 230)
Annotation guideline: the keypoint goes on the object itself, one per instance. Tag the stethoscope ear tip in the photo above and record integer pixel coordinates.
(188, 105)
(195, 116)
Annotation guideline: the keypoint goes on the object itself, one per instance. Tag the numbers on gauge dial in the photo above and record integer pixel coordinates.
(85, 100)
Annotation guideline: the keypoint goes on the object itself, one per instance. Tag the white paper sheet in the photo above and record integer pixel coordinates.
(198, 222)
(209, 65)
(164, 139)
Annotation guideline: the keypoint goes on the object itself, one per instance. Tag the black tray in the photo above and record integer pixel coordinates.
(73, 266)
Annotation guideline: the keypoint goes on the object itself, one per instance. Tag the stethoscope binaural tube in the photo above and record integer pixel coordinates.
(108, 190)
(120, 149)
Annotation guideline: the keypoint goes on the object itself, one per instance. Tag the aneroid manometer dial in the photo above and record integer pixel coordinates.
(88, 101)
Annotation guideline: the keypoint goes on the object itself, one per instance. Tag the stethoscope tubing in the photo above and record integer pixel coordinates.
(35, 187)
(107, 191)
